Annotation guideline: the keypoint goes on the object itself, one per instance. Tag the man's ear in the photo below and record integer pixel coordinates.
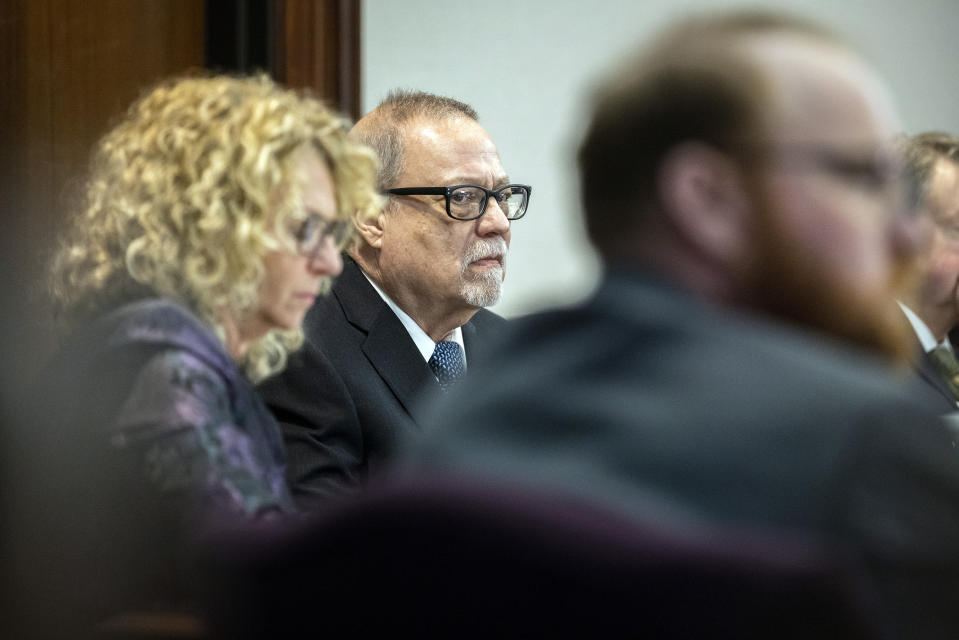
(704, 198)
(371, 229)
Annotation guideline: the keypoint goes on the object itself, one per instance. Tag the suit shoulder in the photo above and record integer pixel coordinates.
(485, 319)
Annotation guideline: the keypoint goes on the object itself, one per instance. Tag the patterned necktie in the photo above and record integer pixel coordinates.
(447, 363)
(948, 366)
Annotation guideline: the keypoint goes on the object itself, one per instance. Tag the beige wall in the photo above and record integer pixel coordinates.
(526, 66)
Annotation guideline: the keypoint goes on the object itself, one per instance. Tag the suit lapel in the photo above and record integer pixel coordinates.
(388, 345)
(927, 371)
(392, 353)
(924, 366)
(360, 303)
(480, 333)
(469, 341)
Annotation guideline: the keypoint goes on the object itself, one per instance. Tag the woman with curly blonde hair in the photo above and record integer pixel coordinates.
(188, 194)
(214, 215)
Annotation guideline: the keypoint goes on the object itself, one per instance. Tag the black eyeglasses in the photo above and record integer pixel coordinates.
(315, 231)
(468, 201)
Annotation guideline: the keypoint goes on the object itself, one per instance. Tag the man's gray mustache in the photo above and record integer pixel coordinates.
(486, 248)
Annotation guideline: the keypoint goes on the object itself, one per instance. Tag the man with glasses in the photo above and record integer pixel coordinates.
(739, 187)
(407, 315)
(932, 161)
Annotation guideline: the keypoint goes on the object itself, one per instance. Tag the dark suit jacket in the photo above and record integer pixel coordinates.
(648, 401)
(355, 389)
(930, 386)
(935, 392)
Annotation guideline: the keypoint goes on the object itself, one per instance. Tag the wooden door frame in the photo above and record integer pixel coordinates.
(316, 44)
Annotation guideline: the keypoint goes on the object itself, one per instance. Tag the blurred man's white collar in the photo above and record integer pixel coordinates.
(925, 336)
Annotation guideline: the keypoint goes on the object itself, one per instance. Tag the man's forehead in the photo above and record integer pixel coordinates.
(823, 91)
(448, 148)
(460, 132)
(944, 189)
(425, 132)
(946, 171)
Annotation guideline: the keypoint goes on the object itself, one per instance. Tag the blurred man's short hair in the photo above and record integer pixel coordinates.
(694, 83)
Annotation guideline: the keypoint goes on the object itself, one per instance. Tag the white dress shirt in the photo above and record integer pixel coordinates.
(422, 341)
(926, 339)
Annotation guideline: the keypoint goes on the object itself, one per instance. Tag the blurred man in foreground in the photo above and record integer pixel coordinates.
(737, 183)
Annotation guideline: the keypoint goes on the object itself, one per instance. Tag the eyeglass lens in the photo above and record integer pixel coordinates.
(315, 231)
(468, 202)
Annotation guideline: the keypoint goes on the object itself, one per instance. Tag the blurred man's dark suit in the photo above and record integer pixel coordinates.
(643, 398)
(940, 398)
(353, 392)
(931, 387)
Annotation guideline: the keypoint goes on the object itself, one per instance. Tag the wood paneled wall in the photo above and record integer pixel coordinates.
(318, 46)
(78, 64)
(69, 67)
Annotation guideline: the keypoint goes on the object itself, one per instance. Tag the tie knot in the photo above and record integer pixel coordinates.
(945, 359)
(447, 363)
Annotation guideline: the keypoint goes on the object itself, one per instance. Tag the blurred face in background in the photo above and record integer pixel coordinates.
(834, 239)
(939, 294)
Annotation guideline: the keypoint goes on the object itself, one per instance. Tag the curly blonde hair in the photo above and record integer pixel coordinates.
(188, 193)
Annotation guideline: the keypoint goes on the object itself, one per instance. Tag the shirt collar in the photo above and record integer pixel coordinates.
(422, 341)
(922, 330)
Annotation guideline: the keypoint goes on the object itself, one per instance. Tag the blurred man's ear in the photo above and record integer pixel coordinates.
(703, 197)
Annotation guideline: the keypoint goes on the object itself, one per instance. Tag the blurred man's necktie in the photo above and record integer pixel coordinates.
(948, 366)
